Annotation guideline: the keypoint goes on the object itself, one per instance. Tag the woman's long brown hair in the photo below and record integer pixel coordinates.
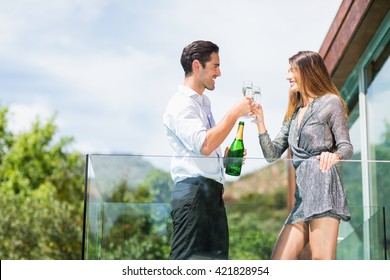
(314, 81)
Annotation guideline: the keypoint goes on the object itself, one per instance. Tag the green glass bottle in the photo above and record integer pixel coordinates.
(236, 153)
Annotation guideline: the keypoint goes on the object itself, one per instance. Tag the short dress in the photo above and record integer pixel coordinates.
(323, 128)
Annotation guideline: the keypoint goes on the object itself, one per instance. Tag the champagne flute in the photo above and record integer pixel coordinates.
(256, 95)
(247, 90)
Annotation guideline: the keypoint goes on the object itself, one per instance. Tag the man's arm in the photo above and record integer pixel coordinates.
(216, 135)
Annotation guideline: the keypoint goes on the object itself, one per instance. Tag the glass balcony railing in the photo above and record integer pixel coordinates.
(127, 208)
(351, 244)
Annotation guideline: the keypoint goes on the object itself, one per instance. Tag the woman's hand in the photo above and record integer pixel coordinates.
(257, 111)
(327, 160)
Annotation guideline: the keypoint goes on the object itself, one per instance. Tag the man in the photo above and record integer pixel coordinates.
(200, 229)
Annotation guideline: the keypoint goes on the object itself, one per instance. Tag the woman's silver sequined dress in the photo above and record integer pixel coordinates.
(323, 129)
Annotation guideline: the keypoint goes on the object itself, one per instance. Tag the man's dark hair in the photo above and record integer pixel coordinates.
(200, 50)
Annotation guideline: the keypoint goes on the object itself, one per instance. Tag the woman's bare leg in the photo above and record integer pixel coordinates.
(292, 239)
(323, 234)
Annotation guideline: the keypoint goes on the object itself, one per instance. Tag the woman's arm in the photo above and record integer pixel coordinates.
(343, 148)
(272, 150)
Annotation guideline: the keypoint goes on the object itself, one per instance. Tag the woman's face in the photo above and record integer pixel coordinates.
(293, 78)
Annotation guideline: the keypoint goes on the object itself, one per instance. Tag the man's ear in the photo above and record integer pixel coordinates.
(196, 65)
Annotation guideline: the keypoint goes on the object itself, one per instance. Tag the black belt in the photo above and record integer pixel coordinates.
(201, 179)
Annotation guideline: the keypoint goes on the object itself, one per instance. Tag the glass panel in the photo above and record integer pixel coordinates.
(351, 235)
(128, 209)
(353, 179)
(378, 113)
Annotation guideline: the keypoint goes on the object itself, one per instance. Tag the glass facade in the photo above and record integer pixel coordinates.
(378, 118)
(367, 92)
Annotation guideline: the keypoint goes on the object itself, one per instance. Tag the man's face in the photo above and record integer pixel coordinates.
(210, 72)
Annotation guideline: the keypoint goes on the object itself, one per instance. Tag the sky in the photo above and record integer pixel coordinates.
(107, 68)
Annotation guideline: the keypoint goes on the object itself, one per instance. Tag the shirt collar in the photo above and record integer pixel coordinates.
(202, 99)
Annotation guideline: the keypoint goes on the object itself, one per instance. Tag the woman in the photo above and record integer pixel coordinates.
(315, 130)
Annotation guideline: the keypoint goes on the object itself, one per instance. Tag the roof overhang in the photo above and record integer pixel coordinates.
(349, 35)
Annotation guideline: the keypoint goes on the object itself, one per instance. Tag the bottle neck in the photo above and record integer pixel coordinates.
(240, 132)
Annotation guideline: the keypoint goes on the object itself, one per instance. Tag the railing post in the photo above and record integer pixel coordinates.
(384, 232)
(85, 205)
(365, 168)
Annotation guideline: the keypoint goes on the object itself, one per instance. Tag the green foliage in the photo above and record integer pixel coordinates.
(138, 234)
(161, 185)
(254, 224)
(33, 228)
(41, 194)
(6, 138)
(135, 220)
(156, 188)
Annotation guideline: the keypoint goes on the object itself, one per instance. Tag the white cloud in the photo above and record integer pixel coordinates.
(21, 116)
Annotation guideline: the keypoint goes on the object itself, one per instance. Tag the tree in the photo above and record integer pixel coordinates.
(41, 193)
(137, 224)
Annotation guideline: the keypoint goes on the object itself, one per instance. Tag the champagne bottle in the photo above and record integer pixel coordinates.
(236, 153)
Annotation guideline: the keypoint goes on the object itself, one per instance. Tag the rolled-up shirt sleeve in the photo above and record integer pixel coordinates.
(190, 129)
(184, 122)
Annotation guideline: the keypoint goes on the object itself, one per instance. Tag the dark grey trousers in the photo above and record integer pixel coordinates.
(200, 228)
